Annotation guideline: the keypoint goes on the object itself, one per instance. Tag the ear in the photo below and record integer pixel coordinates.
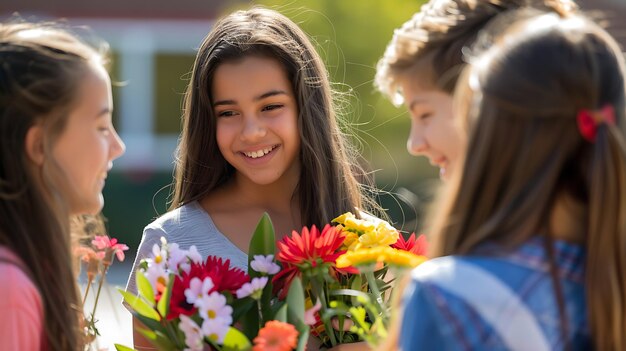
(34, 144)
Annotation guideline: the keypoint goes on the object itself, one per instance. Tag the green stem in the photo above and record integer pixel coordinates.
(87, 290)
(319, 291)
(371, 281)
(258, 304)
(104, 272)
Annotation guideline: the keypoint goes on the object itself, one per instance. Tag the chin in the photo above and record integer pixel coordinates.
(89, 207)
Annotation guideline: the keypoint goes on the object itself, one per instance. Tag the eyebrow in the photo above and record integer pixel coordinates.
(105, 111)
(416, 102)
(260, 97)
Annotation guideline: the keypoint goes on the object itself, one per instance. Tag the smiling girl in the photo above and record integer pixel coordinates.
(422, 64)
(58, 144)
(260, 134)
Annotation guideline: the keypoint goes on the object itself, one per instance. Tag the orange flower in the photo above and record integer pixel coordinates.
(311, 250)
(276, 336)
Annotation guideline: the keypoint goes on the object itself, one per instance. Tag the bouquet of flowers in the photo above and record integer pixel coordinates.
(348, 271)
(186, 303)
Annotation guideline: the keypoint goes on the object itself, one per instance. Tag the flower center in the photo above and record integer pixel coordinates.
(211, 314)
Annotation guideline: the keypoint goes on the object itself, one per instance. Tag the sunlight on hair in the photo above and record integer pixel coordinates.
(32, 33)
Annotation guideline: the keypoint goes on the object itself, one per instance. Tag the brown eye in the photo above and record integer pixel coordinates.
(272, 107)
(226, 114)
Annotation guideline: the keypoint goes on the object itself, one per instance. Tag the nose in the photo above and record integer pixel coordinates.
(253, 128)
(117, 146)
(416, 143)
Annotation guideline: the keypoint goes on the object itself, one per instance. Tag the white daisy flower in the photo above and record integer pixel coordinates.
(194, 255)
(157, 274)
(176, 258)
(197, 289)
(215, 330)
(253, 289)
(214, 307)
(265, 264)
(159, 256)
(194, 337)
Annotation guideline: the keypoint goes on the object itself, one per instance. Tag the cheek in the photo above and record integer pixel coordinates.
(222, 136)
(454, 139)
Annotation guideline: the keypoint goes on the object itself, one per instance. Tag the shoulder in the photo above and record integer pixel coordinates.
(476, 290)
(21, 305)
(18, 286)
(176, 217)
(189, 220)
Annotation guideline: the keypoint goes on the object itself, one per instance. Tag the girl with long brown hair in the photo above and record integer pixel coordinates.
(260, 134)
(530, 237)
(58, 144)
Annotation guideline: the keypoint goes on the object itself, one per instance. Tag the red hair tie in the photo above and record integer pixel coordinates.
(588, 121)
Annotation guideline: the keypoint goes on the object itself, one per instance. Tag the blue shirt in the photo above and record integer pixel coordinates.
(439, 318)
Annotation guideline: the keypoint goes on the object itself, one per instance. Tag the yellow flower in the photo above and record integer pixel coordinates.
(384, 235)
(352, 224)
(386, 254)
(404, 259)
(350, 240)
(371, 231)
(362, 256)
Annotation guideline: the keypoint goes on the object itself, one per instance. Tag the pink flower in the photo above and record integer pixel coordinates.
(110, 246)
(87, 254)
(309, 315)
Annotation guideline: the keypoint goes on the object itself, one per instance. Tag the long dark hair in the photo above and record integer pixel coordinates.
(327, 185)
(521, 98)
(41, 68)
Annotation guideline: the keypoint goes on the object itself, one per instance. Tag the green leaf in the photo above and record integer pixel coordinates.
(139, 305)
(250, 324)
(266, 302)
(164, 303)
(357, 284)
(303, 336)
(242, 307)
(281, 315)
(295, 302)
(163, 342)
(145, 288)
(150, 335)
(119, 347)
(149, 322)
(263, 242)
(235, 341)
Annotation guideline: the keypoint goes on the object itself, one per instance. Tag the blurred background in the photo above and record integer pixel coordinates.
(153, 45)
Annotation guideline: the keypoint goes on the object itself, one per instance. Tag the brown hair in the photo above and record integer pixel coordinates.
(430, 45)
(42, 67)
(327, 184)
(525, 151)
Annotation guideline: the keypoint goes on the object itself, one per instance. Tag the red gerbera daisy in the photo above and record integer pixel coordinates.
(224, 277)
(305, 251)
(417, 246)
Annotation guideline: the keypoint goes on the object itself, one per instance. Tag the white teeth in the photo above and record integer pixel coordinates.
(259, 153)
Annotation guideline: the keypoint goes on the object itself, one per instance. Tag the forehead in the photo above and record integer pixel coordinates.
(249, 75)
(419, 78)
(94, 91)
